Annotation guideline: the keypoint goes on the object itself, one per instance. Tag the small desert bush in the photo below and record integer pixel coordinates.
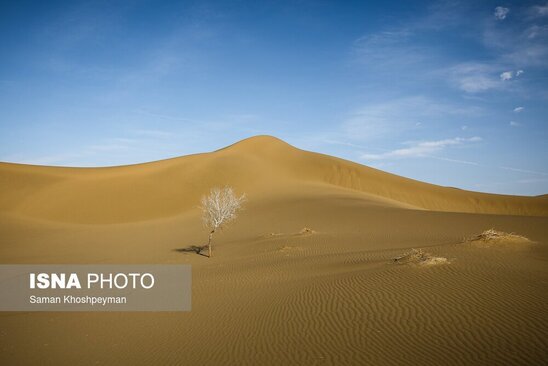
(498, 239)
(418, 256)
(494, 235)
(306, 231)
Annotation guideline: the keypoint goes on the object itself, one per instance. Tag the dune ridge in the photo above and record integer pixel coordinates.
(261, 166)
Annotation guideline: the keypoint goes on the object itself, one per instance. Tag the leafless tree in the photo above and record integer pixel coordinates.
(219, 207)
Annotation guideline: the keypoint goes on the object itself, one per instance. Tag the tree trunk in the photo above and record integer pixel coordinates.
(209, 244)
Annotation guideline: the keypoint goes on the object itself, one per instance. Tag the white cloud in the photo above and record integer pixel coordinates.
(515, 124)
(421, 149)
(464, 128)
(501, 13)
(518, 109)
(507, 75)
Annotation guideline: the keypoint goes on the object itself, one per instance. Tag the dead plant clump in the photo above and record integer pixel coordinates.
(306, 231)
(288, 248)
(492, 236)
(418, 256)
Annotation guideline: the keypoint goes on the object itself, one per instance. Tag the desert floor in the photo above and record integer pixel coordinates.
(304, 276)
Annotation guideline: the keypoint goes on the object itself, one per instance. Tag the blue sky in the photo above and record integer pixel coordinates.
(449, 92)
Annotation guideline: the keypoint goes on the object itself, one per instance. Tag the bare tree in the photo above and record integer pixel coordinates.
(219, 207)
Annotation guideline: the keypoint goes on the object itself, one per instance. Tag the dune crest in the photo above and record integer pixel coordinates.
(261, 166)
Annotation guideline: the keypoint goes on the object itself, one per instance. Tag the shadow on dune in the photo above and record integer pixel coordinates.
(192, 249)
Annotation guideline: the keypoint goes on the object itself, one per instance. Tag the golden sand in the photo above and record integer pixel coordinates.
(303, 277)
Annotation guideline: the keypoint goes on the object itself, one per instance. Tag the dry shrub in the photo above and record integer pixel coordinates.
(288, 248)
(306, 231)
(432, 261)
(418, 256)
(492, 237)
(303, 232)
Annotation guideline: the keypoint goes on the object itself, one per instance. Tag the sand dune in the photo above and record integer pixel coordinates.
(275, 293)
(260, 166)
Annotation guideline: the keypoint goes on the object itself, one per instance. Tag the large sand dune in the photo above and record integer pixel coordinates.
(274, 294)
(259, 166)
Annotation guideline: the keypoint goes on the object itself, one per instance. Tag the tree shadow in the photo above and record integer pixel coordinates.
(192, 249)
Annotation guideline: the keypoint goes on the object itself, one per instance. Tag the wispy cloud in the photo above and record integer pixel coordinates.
(535, 31)
(113, 144)
(513, 46)
(514, 124)
(53, 159)
(154, 133)
(386, 49)
(422, 149)
(518, 109)
(459, 161)
(398, 115)
(473, 77)
(162, 115)
(476, 77)
(540, 10)
(123, 66)
(532, 180)
(518, 44)
(524, 170)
